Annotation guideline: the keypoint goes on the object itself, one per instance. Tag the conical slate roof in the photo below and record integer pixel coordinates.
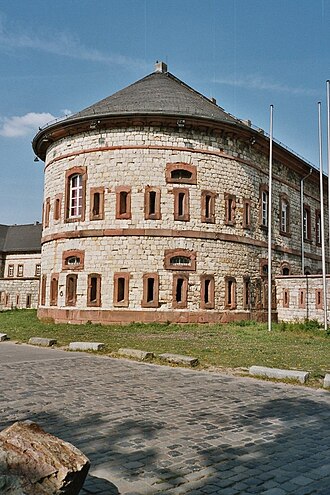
(159, 93)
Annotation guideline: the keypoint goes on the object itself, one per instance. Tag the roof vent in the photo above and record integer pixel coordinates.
(214, 100)
(160, 67)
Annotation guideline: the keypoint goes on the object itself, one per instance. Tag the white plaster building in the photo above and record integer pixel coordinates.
(155, 209)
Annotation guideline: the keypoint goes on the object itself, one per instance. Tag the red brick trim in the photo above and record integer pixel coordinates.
(172, 253)
(173, 168)
(77, 253)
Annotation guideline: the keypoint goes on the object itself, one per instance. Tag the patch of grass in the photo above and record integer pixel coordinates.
(303, 346)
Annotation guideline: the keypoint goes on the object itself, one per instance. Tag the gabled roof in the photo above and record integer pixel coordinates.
(159, 93)
(20, 238)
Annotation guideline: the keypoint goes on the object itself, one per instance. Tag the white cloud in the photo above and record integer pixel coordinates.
(262, 84)
(60, 43)
(22, 126)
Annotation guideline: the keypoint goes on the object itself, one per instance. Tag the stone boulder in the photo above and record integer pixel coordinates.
(33, 462)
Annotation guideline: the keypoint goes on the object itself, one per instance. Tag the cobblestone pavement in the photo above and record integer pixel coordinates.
(149, 429)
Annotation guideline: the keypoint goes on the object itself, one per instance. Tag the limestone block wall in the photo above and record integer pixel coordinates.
(19, 293)
(28, 262)
(137, 158)
(300, 298)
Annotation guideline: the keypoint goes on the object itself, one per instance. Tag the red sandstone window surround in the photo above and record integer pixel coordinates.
(207, 292)
(58, 206)
(43, 283)
(121, 289)
(47, 212)
(73, 260)
(318, 298)
(71, 289)
(230, 293)
(152, 203)
(94, 290)
(123, 202)
(286, 298)
(96, 203)
(150, 290)
(208, 206)
(75, 194)
(230, 206)
(180, 290)
(246, 213)
(54, 289)
(181, 173)
(181, 204)
(302, 299)
(180, 259)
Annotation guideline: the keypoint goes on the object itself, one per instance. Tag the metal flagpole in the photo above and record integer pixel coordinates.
(322, 222)
(328, 143)
(270, 220)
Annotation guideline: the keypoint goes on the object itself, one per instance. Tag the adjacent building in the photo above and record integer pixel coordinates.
(20, 265)
(156, 209)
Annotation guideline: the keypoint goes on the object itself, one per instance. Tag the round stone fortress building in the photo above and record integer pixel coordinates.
(156, 209)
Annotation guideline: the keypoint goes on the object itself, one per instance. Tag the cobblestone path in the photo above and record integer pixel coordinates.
(149, 429)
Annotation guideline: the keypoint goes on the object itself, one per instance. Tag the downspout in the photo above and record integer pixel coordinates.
(302, 219)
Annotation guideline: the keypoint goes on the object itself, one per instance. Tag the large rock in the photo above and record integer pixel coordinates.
(33, 462)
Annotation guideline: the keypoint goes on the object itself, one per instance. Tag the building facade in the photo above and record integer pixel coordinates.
(20, 265)
(156, 209)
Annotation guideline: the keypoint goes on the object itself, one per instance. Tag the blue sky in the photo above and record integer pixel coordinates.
(60, 57)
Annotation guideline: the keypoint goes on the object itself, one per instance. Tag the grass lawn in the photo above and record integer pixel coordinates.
(234, 346)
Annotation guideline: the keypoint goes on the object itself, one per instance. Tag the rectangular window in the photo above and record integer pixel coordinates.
(17, 300)
(230, 293)
(94, 290)
(121, 289)
(307, 223)
(264, 208)
(152, 203)
(286, 298)
(97, 203)
(20, 269)
(318, 227)
(180, 290)
(207, 292)
(318, 298)
(47, 212)
(208, 206)
(71, 290)
(150, 290)
(75, 193)
(123, 203)
(28, 301)
(43, 284)
(38, 270)
(302, 299)
(230, 206)
(57, 206)
(246, 213)
(284, 214)
(10, 270)
(246, 293)
(181, 204)
(53, 290)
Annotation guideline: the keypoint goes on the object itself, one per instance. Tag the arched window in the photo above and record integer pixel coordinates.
(180, 259)
(73, 260)
(182, 173)
(75, 194)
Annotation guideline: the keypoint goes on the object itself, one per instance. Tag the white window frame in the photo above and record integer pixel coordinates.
(264, 208)
(76, 196)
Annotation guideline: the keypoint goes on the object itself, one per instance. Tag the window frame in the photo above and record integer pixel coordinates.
(246, 223)
(209, 291)
(57, 207)
(47, 212)
(11, 271)
(263, 206)
(230, 293)
(230, 209)
(97, 301)
(183, 303)
(319, 298)
(20, 270)
(69, 174)
(172, 167)
(318, 228)
(37, 272)
(284, 200)
(172, 253)
(127, 214)
(208, 211)
(307, 224)
(53, 289)
(181, 204)
(123, 303)
(71, 299)
(247, 292)
(43, 287)
(157, 213)
(154, 303)
(286, 298)
(70, 254)
(92, 192)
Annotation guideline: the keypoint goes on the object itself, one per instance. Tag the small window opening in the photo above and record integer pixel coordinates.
(150, 289)
(286, 270)
(121, 289)
(207, 291)
(181, 199)
(181, 174)
(96, 203)
(180, 260)
(179, 290)
(207, 206)
(230, 289)
(152, 202)
(28, 300)
(73, 260)
(93, 289)
(123, 202)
